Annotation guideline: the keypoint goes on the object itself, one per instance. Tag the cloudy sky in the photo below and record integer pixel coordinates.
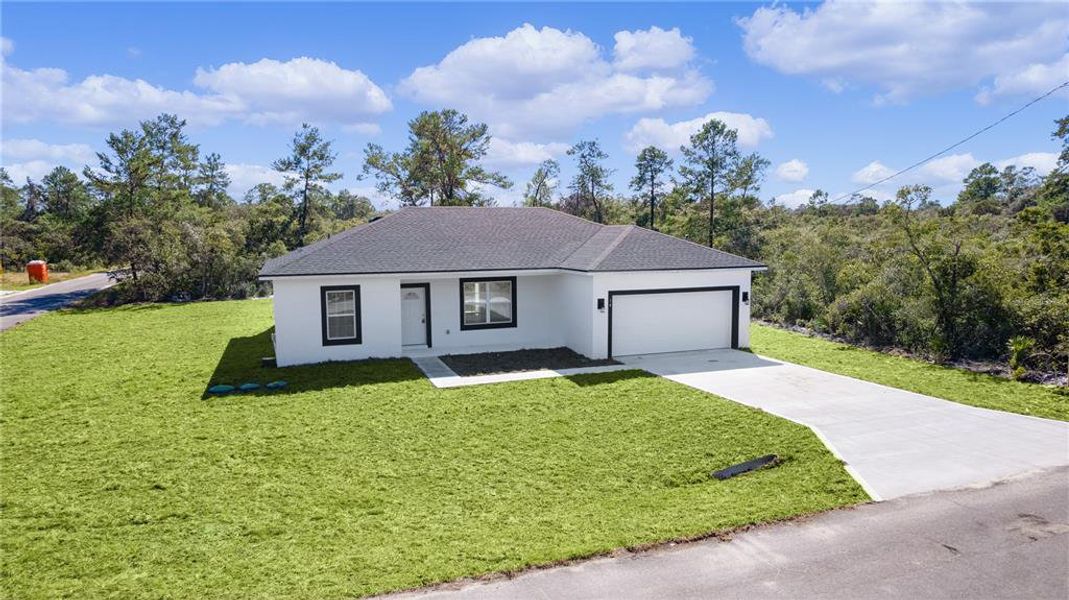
(836, 95)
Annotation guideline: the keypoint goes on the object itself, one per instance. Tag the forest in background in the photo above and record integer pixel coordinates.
(984, 276)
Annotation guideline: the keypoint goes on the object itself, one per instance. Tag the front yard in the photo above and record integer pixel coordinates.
(956, 385)
(120, 478)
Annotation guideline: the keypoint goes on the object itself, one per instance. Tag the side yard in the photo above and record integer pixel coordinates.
(120, 478)
(956, 385)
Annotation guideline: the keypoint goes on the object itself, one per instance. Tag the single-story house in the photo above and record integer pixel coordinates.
(449, 280)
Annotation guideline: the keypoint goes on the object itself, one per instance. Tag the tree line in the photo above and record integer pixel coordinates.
(984, 276)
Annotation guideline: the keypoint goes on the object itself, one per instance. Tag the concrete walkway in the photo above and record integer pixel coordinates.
(440, 375)
(22, 306)
(1006, 541)
(895, 442)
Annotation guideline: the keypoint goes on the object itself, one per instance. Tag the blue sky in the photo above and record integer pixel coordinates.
(834, 94)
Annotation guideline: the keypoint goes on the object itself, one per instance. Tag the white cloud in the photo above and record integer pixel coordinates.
(34, 159)
(670, 136)
(244, 177)
(872, 172)
(1032, 79)
(796, 198)
(545, 82)
(368, 129)
(267, 91)
(6, 46)
(653, 48)
(45, 94)
(952, 168)
(505, 153)
(906, 49)
(792, 170)
(1042, 162)
(33, 169)
(300, 89)
(948, 169)
(29, 149)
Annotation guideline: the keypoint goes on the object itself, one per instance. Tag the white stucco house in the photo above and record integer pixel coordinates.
(450, 280)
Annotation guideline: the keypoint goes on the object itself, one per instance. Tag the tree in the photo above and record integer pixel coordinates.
(1054, 193)
(982, 185)
(543, 184)
(212, 182)
(747, 173)
(651, 165)
(306, 171)
(347, 206)
(591, 182)
(707, 163)
(440, 166)
(938, 245)
(65, 196)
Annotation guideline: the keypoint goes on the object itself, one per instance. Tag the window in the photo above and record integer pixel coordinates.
(340, 305)
(487, 303)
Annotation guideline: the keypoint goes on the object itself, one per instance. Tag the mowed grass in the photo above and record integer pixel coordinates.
(956, 385)
(120, 479)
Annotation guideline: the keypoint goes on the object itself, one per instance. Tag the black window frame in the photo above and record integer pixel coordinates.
(355, 289)
(477, 326)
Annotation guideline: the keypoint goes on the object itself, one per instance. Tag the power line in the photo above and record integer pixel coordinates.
(952, 146)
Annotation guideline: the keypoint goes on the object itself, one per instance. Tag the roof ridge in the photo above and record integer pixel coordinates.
(625, 231)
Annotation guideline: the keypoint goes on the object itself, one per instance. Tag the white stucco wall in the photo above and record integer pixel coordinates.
(298, 320)
(537, 309)
(575, 293)
(553, 309)
(603, 283)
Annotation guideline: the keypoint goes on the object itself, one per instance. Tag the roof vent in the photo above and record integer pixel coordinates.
(375, 218)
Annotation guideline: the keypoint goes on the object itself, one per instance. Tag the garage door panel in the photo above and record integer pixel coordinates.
(671, 322)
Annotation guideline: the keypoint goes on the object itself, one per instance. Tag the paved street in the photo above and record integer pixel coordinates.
(893, 441)
(1010, 540)
(23, 306)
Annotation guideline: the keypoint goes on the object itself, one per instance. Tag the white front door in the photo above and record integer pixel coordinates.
(413, 316)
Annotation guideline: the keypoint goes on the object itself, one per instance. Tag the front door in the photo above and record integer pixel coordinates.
(414, 315)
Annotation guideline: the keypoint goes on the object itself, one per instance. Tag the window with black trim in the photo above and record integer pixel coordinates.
(340, 306)
(487, 303)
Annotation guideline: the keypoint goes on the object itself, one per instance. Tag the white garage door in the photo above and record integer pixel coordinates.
(671, 322)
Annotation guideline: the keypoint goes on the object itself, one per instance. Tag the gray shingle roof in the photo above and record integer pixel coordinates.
(415, 240)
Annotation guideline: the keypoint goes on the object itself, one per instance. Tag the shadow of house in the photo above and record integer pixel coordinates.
(589, 379)
(241, 363)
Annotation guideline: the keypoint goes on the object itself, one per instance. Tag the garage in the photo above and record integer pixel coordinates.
(672, 320)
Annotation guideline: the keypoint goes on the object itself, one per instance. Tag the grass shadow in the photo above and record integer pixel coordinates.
(241, 363)
(589, 379)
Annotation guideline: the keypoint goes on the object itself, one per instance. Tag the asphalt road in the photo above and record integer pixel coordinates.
(1009, 540)
(23, 306)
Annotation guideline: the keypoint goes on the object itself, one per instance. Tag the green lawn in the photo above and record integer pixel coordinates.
(957, 385)
(119, 479)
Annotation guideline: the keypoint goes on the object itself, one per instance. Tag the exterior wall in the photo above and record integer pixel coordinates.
(537, 316)
(553, 309)
(299, 328)
(603, 283)
(575, 294)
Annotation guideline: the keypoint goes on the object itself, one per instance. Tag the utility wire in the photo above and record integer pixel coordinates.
(951, 147)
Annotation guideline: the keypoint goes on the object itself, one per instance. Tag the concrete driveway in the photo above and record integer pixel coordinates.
(23, 306)
(894, 442)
